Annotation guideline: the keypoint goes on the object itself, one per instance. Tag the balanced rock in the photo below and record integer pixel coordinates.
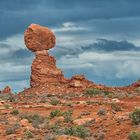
(38, 38)
(45, 76)
(43, 71)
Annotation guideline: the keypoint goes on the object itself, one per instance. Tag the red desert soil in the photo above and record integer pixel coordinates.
(57, 108)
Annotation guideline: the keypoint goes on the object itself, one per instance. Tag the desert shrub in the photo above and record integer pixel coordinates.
(12, 99)
(137, 90)
(69, 104)
(110, 95)
(10, 130)
(16, 126)
(90, 102)
(92, 92)
(43, 100)
(54, 101)
(50, 136)
(9, 97)
(100, 135)
(56, 113)
(135, 116)
(134, 135)
(116, 107)
(101, 112)
(28, 134)
(67, 116)
(107, 93)
(15, 112)
(57, 128)
(79, 131)
(6, 106)
(35, 119)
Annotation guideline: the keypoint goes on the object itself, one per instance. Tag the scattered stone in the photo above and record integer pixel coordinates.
(65, 137)
(82, 121)
(25, 123)
(115, 100)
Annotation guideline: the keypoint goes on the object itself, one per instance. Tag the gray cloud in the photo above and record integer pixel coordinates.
(106, 60)
(52, 13)
(111, 45)
(15, 63)
(101, 45)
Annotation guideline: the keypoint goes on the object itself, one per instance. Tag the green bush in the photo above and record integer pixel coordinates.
(92, 92)
(135, 116)
(10, 130)
(107, 93)
(78, 131)
(6, 106)
(15, 112)
(54, 101)
(56, 113)
(35, 119)
(137, 90)
(28, 134)
(116, 107)
(134, 135)
(12, 99)
(101, 112)
(67, 116)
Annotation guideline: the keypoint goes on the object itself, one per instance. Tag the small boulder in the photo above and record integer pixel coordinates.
(25, 123)
(82, 121)
(6, 90)
(65, 137)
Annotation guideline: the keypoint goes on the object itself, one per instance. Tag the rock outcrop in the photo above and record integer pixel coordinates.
(45, 76)
(39, 40)
(6, 90)
(44, 73)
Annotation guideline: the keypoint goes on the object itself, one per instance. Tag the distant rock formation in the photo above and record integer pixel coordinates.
(6, 90)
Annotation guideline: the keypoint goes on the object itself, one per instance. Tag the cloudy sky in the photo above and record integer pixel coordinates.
(98, 38)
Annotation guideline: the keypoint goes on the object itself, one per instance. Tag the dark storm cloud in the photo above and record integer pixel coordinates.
(22, 53)
(110, 46)
(59, 52)
(15, 64)
(101, 45)
(16, 16)
(17, 57)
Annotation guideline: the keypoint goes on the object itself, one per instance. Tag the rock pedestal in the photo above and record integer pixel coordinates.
(44, 70)
(45, 76)
(39, 40)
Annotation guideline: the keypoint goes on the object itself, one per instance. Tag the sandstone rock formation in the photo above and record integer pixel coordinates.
(39, 38)
(44, 72)
(6, 90)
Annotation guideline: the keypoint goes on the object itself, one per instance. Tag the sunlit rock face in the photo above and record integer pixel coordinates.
(39, 40)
